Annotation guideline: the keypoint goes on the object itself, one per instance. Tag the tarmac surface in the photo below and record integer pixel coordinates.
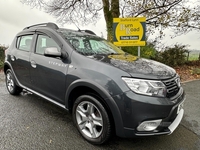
(28, 122)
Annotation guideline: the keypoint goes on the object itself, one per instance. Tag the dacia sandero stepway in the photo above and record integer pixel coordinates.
(107, 90)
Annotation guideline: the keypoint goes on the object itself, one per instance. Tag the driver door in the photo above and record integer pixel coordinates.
(48, 74)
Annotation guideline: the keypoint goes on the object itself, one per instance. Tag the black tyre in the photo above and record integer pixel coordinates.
(91, 119)
(12, 88)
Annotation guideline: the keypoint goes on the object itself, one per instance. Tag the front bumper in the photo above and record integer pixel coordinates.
(138, 109)
(176, 122)
(169, 130)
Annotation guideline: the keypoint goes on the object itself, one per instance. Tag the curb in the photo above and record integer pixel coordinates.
(189, 81)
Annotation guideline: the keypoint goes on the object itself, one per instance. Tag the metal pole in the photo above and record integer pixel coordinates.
(138, 51)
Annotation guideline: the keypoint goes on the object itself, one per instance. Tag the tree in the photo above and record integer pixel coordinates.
(181, 15)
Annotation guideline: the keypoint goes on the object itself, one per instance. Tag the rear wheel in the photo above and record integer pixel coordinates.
(11, 85)
(91, 119)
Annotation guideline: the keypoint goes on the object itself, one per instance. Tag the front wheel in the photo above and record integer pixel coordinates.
(12, 88)
(91, 119)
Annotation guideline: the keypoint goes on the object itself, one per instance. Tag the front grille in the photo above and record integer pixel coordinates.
(172, 86)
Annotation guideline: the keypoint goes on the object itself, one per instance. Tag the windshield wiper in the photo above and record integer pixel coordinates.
(115, 53)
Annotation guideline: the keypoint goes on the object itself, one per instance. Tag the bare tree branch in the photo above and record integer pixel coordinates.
(180, 15)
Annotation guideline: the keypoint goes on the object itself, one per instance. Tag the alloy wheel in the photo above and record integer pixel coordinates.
(89, 119)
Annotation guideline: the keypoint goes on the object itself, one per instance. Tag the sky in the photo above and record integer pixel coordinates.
(14, 16)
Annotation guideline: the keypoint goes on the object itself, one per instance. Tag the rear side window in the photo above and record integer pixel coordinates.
(44, 42)
(24, 42)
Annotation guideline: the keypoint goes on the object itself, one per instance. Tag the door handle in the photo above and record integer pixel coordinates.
(33, 64)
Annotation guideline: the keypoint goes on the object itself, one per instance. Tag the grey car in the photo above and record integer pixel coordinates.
(108, 91)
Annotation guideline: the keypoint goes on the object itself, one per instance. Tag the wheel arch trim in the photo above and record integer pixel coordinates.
(106, 99)
(6, 63)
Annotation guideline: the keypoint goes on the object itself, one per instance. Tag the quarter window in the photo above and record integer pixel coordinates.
(24, 42)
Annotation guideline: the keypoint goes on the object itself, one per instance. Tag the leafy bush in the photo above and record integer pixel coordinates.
(193, 63)
(2, 56)
(147, 51)
(172, 56)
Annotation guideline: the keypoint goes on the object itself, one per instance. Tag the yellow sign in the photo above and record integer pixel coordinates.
(129, 31)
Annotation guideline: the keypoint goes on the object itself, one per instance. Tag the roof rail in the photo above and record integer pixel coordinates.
(49, 24)
(88, 31)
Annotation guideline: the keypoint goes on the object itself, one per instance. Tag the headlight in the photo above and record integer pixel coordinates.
(146, 87)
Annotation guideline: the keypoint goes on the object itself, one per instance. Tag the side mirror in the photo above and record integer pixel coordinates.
(52, 52)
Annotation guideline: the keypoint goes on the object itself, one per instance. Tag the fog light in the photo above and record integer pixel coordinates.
(149, 125)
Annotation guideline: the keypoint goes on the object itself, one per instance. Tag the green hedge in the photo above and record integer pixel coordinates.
(2, 56)
(147, 51)
(172, 56)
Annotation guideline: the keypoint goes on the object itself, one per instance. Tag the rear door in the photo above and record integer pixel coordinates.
(48, 74)
(20, 58)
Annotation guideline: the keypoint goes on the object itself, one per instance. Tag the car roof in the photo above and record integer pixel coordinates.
(53, 26)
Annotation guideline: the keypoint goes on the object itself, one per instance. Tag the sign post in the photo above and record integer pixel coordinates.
(138, 51)
(129, 32)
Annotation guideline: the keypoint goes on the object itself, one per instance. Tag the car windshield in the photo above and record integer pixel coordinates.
(89, 44)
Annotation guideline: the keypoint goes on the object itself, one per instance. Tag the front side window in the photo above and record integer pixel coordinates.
(24, 42)
(89, 44)
(44, 42)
